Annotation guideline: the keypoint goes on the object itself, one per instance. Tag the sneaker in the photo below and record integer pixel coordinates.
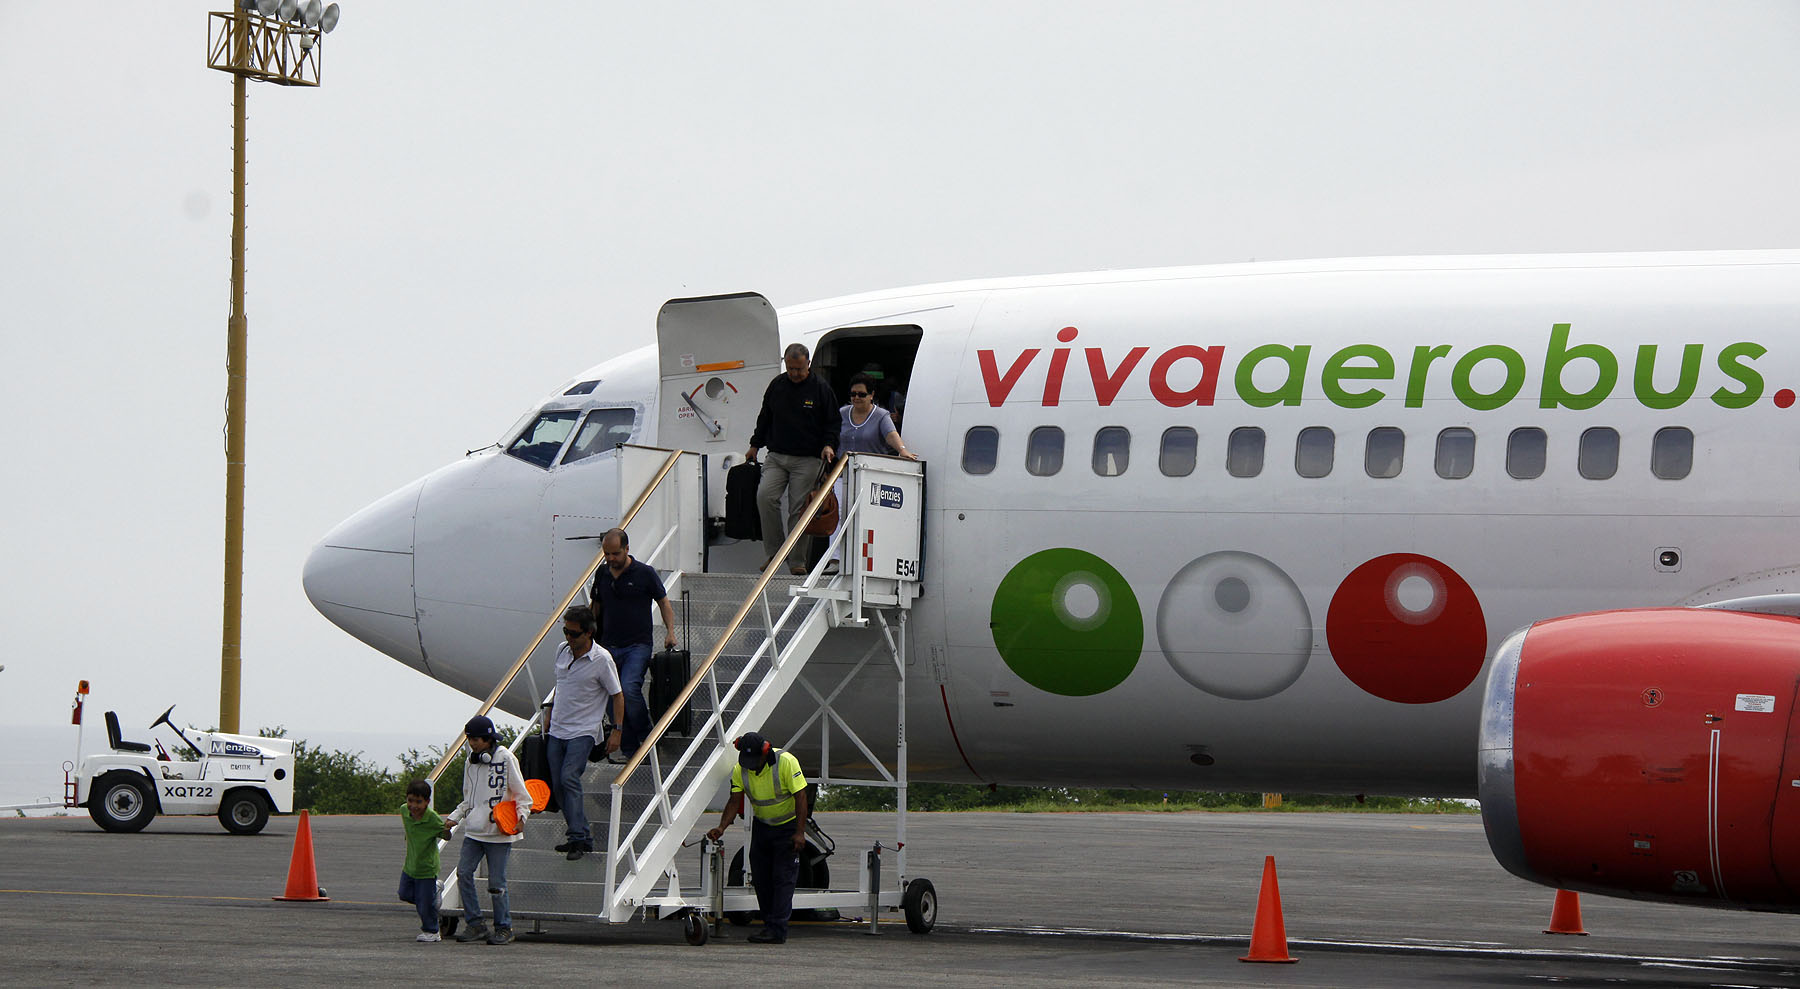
(501, 935)
(617, 758)
(576, 850)
(472, 931)
(429, 936)
(565, 846)
(831, 569)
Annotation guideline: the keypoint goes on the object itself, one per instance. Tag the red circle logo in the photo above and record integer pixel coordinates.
(1408, 629)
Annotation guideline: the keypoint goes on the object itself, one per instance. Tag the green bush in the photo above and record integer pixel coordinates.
(337, 782)
(960, 796)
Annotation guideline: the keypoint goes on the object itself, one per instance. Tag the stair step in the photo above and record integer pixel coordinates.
(542, 880)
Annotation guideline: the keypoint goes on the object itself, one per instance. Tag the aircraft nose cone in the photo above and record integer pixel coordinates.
(360, 576)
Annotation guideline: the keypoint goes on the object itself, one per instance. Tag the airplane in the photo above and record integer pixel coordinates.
(1515, 528)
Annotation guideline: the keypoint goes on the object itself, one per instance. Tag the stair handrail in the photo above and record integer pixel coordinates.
(731, 627)
(556, 617)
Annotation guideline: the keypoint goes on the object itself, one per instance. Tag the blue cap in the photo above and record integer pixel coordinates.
(751, 749)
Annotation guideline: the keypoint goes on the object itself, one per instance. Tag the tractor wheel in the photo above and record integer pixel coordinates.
(122, 801)
(244, 812)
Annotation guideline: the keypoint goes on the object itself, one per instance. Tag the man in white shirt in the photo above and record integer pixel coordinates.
(586, 681)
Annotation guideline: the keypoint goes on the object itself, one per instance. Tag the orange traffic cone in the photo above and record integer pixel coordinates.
(1565, 916)
(1268, 939)
(303, 879)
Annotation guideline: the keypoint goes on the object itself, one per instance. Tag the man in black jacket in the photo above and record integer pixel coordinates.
(799, 424)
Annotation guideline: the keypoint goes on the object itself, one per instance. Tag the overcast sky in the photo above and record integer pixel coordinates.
(483, 199)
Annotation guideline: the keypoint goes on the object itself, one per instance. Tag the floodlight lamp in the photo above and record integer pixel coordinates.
(249, 5)
(329, 18)
(310, 13)
(288, 9)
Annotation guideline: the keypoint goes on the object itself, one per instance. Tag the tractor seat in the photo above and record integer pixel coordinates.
(113, 739)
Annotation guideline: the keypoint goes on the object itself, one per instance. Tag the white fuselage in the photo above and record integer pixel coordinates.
(1178, 603)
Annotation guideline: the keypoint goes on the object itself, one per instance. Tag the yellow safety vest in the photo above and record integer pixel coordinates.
(771, 790)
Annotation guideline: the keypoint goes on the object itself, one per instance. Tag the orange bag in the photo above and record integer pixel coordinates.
(506, 814)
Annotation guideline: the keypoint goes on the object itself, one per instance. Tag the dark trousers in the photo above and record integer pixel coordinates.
(774, 866)
(423, 894)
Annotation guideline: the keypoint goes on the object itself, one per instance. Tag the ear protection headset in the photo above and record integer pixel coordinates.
(751, 748)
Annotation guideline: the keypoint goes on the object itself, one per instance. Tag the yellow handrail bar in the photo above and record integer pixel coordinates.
(555, 616)
(787, 546)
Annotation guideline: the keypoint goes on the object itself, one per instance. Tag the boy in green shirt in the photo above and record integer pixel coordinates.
(418, 879)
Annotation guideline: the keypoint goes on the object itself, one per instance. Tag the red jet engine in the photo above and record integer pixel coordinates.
(1650, 754)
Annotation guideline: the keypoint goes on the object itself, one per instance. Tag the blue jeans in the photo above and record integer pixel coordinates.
(633, 662)
(423, 894)
(496, 853)
(568, 759)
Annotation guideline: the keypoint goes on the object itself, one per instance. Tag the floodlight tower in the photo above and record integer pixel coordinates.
(278, 41)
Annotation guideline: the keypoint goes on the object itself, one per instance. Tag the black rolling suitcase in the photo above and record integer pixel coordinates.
(534, 764)
(669, 674)
(742, 520)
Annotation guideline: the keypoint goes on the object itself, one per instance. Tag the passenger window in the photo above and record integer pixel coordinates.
(1455, 453)
(1525, 453)
(1385, 451)
(1314, 451)
(540, 441)
(1244, 452)
(1672, 453)
(1044, 451)
(1180, 450)
(1112, 451)
(1599, 458)
(981, 449)
(603, 431)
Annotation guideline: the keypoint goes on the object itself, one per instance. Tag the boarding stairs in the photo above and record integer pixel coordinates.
(756, 632)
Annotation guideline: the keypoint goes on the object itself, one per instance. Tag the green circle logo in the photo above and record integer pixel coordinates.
(1066, 622)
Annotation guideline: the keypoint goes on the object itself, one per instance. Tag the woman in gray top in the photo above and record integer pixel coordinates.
(865, 428)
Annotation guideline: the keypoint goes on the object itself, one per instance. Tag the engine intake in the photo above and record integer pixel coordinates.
(1648, 754)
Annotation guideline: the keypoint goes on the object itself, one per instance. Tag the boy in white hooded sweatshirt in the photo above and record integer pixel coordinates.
(490, 776)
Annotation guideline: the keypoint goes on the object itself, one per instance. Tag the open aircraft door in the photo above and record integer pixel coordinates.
(715, 356)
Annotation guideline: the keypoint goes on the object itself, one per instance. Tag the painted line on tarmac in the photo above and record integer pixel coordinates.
(175, 896)
(1443, 948)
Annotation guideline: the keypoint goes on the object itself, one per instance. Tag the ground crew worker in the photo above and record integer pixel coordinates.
(777, 791)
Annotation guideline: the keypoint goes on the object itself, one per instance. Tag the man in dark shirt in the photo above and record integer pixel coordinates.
(799, 424)
(623, 590)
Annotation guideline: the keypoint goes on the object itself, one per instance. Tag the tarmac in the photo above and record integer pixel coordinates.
(1041, 899)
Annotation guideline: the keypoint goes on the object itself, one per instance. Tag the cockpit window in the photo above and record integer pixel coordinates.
(582, 387)
(604, 430)
(541, 440)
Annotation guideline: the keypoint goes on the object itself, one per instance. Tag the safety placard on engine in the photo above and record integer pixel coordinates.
(1756, 703)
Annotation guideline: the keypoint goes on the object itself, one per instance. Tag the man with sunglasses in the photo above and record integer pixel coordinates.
(586, 682)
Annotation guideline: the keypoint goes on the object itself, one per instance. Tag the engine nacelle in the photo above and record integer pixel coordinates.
(1648, 754)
